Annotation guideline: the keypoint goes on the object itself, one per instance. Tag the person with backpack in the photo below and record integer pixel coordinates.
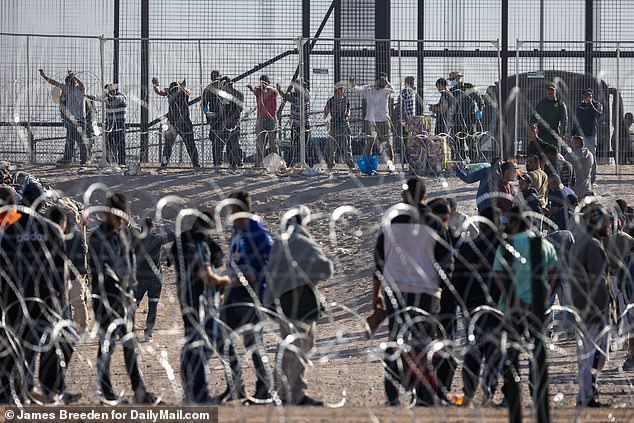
(233, 107)
(296, 265)
(445, 109)
(73, 110)
(470, 105)
(249, 251)
(413, 260)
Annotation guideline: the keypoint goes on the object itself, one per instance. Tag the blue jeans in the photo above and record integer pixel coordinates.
(236, 317)
(591, 144)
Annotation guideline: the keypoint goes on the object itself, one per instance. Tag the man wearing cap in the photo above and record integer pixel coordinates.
(266, 122)
(73, 109)
(470, 105)
(588, 113)
(212, 106)
(111, 262)
(591, 298)
(377, 116)
(339, 143)
(551, 116)
(529, 194)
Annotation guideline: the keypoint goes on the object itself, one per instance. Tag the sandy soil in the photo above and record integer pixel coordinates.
(346, 367)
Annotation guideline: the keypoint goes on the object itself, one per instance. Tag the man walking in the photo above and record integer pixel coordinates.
(196, 255)
(296, 265)
(148, 270)
(111, 262)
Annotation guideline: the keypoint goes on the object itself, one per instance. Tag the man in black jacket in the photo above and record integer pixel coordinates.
(32, 295)
(148, 270)
(588, 114)
(197, 284)
(111, 262)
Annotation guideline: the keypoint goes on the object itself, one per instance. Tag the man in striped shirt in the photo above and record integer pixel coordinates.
(295, 99)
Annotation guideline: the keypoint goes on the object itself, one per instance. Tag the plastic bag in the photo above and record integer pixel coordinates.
(368, 165)
(274, 163)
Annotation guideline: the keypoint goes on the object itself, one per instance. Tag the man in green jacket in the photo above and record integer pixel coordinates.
(551, 116)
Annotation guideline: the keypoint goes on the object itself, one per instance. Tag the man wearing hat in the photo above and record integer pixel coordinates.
(529, 194)
(551, 116)
(470, 104)
(588, 113)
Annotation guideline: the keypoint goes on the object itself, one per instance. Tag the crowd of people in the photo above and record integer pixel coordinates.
(45, 260)
(458, 112)
(437, 272)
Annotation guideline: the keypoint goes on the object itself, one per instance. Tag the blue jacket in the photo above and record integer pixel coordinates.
(249, 251)
(488, 178)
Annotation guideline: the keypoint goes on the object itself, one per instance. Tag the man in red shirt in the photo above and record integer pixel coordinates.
(266, 123)
(505, 199)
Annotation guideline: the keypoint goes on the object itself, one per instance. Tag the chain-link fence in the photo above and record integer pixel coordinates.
(32, 130)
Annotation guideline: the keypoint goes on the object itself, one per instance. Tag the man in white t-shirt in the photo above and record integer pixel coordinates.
(377, 116)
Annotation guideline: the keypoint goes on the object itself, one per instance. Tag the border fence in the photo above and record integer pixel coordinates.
(32, 130)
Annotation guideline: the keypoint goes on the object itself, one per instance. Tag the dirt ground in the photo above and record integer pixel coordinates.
(346, 372)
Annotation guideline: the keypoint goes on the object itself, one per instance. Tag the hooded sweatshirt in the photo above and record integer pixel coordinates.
(295, 262)
(581, 160)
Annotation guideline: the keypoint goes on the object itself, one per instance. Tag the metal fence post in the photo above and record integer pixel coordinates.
(102, 42)
(518, 45)
(541, 400)
(302, 130)
(399, 130)
(200, 82)
(31, 147)
(496, 43)
(617, 129)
